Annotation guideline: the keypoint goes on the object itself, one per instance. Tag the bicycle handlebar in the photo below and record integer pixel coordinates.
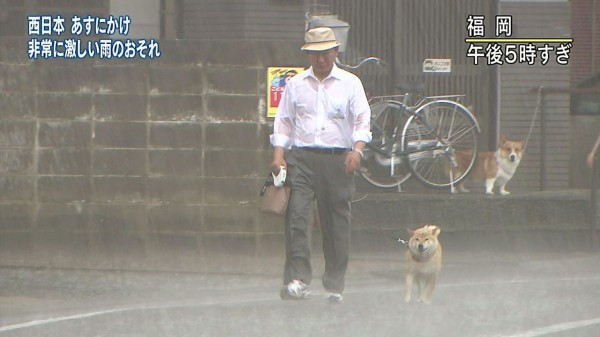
(377, 61)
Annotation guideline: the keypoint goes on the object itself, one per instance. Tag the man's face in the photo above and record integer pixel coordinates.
(322, 61)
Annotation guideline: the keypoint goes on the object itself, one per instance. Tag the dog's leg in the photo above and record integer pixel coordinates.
(489, 185)
(427, 294)
(420, 280)
(409, 284)
(503, 190)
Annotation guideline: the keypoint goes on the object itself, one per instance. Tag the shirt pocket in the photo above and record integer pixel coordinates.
(302, 109)
(337, 109)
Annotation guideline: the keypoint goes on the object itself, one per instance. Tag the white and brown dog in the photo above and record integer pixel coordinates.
(423, 262)
(495, 168)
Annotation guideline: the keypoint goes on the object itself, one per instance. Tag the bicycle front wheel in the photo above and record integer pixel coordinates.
(440, 141)
(383, 166)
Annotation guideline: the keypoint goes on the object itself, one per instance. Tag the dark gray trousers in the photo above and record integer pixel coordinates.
(321, 177)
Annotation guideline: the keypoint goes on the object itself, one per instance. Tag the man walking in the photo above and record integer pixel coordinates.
(320, 130)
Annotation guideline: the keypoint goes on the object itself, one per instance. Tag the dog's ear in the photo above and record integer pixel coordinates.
(435, 230)
(410, 231)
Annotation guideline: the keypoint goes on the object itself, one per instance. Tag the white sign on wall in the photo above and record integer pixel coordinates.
(437, 66)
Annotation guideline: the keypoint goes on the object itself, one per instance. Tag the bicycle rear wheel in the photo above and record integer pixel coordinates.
(383, 166)
(440, 141)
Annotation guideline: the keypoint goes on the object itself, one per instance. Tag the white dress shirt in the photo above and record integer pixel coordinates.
(331, 113)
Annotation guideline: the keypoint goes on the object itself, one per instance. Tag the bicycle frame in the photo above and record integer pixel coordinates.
(413, 111)
(426, 136)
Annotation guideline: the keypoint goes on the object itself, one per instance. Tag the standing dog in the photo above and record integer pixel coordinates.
(424, 261)
(496, 168)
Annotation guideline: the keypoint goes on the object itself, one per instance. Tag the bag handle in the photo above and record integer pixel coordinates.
(268, 182)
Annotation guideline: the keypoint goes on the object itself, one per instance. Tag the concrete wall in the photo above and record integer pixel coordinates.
(235, 19)
(112, 162)
(145, 16)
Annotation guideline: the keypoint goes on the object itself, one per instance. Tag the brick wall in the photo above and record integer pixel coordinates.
(112, 162)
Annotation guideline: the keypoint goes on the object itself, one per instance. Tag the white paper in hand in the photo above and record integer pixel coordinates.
(279, 179)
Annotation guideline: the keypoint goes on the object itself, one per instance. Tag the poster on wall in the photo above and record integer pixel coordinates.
(277, 77)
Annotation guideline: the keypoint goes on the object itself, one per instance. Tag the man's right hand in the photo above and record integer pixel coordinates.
(278, 160)
(276, 166)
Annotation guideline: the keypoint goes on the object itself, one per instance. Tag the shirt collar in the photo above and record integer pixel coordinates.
(335, 73)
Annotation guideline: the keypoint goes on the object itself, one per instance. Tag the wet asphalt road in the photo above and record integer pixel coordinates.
(480, 293)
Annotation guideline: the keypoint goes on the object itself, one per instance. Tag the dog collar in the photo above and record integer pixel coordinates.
(416, 259)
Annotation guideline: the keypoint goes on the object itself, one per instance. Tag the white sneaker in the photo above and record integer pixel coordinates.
(295, 290)
(334, 297)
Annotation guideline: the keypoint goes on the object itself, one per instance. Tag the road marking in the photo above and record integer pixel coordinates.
(166, 305)
(558, 328)
(266, 298)
(59, 319)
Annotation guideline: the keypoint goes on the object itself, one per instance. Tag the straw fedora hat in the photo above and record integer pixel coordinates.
(320, 38)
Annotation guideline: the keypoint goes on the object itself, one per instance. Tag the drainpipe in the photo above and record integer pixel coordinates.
(593, 55)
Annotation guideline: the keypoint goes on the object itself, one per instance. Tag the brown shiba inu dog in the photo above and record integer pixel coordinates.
(424, 261)
(496, 168)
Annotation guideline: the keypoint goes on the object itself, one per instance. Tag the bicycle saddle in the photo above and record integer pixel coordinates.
(410, 87)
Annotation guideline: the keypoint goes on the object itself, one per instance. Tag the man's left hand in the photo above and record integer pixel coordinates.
(352, 162)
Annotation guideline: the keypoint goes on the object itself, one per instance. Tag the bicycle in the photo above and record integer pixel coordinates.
(430, 139)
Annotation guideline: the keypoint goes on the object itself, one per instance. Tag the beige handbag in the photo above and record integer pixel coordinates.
(274, 199)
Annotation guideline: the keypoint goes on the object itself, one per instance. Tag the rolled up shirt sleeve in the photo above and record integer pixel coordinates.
(283, 126)
(362, 116)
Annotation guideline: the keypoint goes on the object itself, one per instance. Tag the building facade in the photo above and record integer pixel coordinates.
(105, 155)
